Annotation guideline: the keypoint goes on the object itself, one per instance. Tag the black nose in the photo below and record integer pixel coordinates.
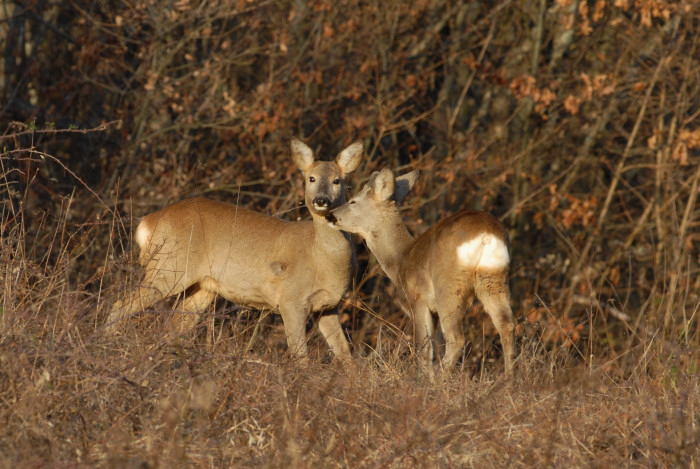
(322, 202)
(331, 218)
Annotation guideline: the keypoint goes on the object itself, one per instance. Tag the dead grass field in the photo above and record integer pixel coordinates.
(74, 396)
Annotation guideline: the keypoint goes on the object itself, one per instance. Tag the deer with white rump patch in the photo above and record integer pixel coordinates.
(297, 268)
(461, 257)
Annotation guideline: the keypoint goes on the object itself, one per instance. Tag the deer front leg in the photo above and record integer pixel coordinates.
(294, 319)
(423, 335)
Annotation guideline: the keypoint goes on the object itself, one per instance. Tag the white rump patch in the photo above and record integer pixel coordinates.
(143, 235)
(486, 251)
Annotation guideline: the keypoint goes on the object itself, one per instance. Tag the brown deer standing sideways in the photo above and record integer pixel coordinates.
(297, 268)
(462, 256)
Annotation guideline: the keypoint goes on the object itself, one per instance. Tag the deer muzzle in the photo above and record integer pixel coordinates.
(322, 204)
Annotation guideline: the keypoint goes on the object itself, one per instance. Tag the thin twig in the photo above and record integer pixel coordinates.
(99, 128)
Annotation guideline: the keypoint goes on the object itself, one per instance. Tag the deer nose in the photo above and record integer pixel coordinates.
(331, 218)
(322, 202)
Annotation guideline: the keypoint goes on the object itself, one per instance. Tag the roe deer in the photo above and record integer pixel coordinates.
(257, 260)
(462, 256)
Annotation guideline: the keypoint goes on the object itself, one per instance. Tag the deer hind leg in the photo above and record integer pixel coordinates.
(329, 325)
(493, 292)
(157, 284)
(451, 312)
(136, 301)
(190, 309)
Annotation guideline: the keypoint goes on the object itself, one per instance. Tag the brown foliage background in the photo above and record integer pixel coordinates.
(575, 121)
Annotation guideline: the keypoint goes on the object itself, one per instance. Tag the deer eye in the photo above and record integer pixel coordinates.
(351, 202)
(336, 181)
(312, 179)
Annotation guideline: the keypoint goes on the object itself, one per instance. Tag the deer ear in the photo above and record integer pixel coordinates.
(404, 183)
(302, 155)
(349, 159)
(383, 184)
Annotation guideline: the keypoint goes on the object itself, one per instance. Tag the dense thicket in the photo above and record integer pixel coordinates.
(575, 121)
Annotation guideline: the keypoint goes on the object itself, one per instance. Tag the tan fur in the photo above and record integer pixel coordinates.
(296, 268)
(427, 271)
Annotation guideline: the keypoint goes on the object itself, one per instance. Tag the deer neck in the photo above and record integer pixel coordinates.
(328, 241)
(390, 246)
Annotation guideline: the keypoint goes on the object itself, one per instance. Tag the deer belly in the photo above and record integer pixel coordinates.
(247, 288)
